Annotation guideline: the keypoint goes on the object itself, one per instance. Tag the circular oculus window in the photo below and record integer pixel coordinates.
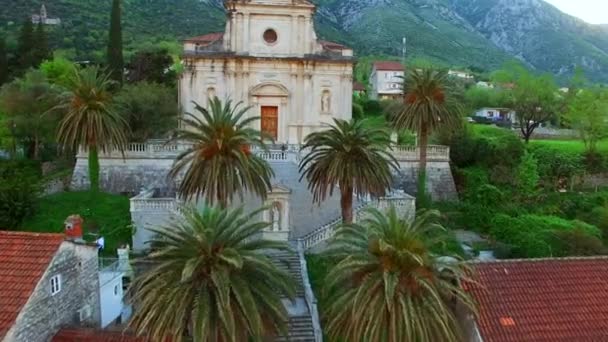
(270, 36)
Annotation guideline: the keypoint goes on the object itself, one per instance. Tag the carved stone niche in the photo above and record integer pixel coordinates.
(277, 214)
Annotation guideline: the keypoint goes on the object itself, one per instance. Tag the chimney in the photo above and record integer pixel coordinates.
(73, 228)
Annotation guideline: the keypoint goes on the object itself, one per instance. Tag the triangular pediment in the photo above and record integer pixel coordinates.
(280, 189)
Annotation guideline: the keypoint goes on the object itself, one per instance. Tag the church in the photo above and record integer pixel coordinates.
(269, 58)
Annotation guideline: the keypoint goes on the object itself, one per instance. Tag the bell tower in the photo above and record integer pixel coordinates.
(281, 28)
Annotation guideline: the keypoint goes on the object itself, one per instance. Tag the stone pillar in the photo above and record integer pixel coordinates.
(307, 36)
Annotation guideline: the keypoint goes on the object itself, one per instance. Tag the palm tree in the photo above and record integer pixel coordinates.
(427, 104)
(350, 155)
(220, 163)
(386, 266)
(207, 278)
(90, 120)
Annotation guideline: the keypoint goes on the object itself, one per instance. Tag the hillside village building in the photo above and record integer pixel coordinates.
(43, 18)
(269, 57)
(386, 80)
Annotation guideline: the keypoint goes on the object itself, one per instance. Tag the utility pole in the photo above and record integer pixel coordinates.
(404, 49)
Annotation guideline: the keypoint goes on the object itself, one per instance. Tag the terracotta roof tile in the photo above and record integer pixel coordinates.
(327, 45)
(359, 86)
(542, 300)
(23, 259)
(206, 38)
(94, 335)
(388, 66)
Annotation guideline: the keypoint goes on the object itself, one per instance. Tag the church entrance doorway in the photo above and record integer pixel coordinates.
(270, 121)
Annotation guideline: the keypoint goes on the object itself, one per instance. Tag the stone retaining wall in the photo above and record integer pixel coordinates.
(439, 180)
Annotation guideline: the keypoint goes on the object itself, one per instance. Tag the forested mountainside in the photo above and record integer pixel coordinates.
(461, 33)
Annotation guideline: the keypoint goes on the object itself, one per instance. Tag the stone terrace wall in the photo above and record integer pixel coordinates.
(125, 176)
(440, 182)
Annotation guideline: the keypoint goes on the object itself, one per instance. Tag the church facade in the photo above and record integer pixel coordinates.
(269, 58)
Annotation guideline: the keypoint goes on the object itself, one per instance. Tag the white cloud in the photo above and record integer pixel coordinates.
(592, 11)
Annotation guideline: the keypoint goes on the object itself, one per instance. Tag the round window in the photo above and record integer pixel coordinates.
(270, 36)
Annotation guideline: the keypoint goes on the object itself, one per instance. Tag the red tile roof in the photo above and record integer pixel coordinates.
(206, 39)
(388, 66)
(327, 45)
(23, 259)
(94, 335)
(357, 86)
(542, 300)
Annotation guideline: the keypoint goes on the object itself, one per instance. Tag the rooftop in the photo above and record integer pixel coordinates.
(558, 299)
(389, 66)
(24, 257)
(93, 335)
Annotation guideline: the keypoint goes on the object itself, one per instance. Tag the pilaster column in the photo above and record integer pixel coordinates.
(246, 32)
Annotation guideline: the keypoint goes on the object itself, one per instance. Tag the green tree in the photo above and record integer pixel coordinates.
(3, 62)
(208, 279)
(25, 46)
(150, 109)
(40, 51)
(588, 114)
(89, 120)
(58, 70)
(351, 156)
(115, 58)
(534, 99)
(386, 265)
(26, 101)
(220, 162)
(152, 66)
(427, 105)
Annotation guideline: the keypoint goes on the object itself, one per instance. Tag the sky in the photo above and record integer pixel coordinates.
(592, 11)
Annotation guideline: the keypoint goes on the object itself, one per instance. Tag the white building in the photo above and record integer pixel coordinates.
(386, 80)
(269, 58)
(460, 74)
(496, 114)
(43, 18)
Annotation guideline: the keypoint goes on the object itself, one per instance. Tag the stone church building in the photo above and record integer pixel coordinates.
(269, 57)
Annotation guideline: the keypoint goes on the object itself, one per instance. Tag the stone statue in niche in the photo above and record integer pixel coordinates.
(326, 102)
(210, 93)
(275, 217)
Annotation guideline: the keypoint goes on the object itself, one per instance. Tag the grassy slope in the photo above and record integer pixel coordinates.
(105, 214)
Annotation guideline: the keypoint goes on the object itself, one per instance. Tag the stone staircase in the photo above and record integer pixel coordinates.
(300, 326)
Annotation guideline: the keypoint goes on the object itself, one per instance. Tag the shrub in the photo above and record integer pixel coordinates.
(372, 108)
(527, 175)
(577, 242)
(357, 111)
(557, 167)
(19, 190)
(535, 236)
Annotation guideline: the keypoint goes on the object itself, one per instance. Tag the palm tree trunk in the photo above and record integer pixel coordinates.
(421, 193)
(94, 168)
(346, 203)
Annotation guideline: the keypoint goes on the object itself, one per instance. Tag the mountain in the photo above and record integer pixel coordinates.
(480, 34)
(539, 34)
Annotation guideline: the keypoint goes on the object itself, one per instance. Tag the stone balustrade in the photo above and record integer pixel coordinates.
(403, 203)
(412, 153)
(160, 149)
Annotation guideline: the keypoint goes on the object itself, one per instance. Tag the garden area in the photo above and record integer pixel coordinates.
(25, 207)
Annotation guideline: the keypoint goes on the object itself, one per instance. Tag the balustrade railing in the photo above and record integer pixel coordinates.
(160, 149)
(403, 203)
(412, 153)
